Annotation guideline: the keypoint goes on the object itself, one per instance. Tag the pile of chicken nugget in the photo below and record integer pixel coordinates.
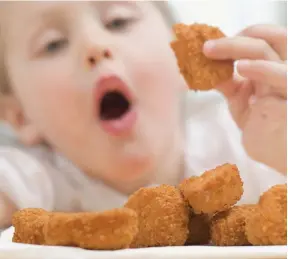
(200, 211)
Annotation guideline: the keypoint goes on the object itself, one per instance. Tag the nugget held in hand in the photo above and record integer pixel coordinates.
(163, 216)
(200, 72)
(214, 191)
(228, 227)
(28, 225)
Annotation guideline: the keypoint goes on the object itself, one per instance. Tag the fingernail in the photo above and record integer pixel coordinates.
(208, 45)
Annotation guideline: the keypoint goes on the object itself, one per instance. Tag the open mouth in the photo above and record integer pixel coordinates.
(113, 105)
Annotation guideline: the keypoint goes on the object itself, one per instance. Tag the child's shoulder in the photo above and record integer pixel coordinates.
(23, 175)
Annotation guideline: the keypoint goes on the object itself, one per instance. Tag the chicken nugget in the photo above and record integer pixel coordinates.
(28, 224)
(262, 231)
(228, 227)
(185, 182)
(199, 225)
(214, 191)
(163, 216)
(274, 203)
(200, 72)
(108, 230)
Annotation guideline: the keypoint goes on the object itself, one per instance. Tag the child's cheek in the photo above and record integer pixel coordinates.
(57, 103)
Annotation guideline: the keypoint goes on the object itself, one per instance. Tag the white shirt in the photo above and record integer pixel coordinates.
(38, 177)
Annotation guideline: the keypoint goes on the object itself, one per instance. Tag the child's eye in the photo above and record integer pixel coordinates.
(119, 24)
(55, 45)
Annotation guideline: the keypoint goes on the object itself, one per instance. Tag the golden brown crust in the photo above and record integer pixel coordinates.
(228, 227)
(163, 216)
(199, 225)
(262, 231)
(273, 203)
(108, 230)
(185, 182)
(268, 226)
(199, 72)
(214, 191)
(28, 224)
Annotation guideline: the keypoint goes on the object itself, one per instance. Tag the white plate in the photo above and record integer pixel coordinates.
(9, 250)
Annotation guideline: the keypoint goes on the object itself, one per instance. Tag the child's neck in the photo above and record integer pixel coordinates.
(169, 168)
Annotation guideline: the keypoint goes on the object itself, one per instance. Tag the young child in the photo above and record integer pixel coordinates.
(94, 95)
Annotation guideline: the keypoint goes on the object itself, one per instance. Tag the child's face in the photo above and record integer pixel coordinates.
(65, 60)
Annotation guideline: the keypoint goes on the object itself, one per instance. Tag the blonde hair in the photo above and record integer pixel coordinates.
(4, 86)
(166, 12)
(5, 89)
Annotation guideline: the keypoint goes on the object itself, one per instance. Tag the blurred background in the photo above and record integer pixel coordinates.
(231, 15)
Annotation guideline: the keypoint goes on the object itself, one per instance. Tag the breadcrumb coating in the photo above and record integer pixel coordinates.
(215, 190)
(107, 230)
(273, 203)
(262, 231)
(200, 72)
(28, 224)
(163, 216)
(228, 227)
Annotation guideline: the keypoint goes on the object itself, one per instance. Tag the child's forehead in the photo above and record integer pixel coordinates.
(38, 8)
(30, 12)
(50, 7)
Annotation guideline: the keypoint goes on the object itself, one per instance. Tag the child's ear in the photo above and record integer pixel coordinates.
(13, 114)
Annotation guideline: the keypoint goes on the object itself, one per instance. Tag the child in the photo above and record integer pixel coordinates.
(96, 83)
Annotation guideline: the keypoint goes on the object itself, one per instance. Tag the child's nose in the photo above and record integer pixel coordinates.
(96, 55)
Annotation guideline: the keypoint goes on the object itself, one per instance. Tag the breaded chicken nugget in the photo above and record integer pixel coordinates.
(199, 229)
(28, 224)
(199, 72)
(182, 186)
(228, 227)
(262, 231)
(163, 216)
(108, 230)
(269, 225)
(214, 191)
(274, 203)
(199, 225)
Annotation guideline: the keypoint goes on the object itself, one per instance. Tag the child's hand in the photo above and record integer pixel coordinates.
(258, 103)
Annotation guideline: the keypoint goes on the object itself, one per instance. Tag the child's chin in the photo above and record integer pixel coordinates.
(133, 170)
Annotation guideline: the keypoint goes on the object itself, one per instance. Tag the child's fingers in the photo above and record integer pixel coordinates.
(274, 35)
(239, 47)
(229, 88)
(240, 103)
(238, 93)
(266, 72)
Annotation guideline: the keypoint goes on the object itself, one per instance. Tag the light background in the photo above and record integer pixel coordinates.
(231, 15)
